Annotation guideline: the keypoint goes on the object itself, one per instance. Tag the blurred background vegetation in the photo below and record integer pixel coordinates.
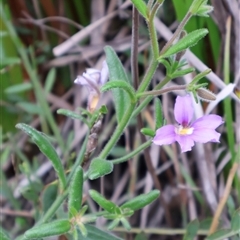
(35, 82)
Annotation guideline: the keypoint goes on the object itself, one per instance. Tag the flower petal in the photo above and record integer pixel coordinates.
(186, 142)
(80, 80)
(104, 72)
(211, 121)
(183, 110)
(165, 135)
(90, 71)
(205, 135)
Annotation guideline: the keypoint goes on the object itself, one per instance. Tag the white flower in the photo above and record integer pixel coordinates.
(93, 79)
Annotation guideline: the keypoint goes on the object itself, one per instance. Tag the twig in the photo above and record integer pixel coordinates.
(76, 38)
(15, 213)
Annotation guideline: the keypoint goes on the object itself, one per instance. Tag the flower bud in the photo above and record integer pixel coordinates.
(205, 94)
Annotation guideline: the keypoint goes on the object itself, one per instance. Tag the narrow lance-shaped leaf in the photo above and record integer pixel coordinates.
(126, 224)
(17, 88)
(141, 6)
(75, 191)
(182, 72)
(121, 85)
(188, 41)
(71, 114)
(116, 71)
(102, 202)
(47, 149)
(95, 233)
(49, 229)
(50, 80)
(141, 200)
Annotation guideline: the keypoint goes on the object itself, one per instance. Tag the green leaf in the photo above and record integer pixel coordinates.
(122, 85)
(182, 72)
(141, 236)
(125, 224)
(141, 200)
(158, 113)
(75, 191)
(50, 80)
(30, 108)
(48, 196)
(188, 41)
(17, 88)
(141, 6)
(113, 224)
(235, 223)
(103, 109)
(99, 168)
(82, 229)
(116, 71)
(191, 230)
(6, 61)
(49, 229)
(205, 224)
(103, 202)
(219, 235)
(71, 114)
(47, 149)
(148, 132)
(97, 234)
(29, 193)
(4, 235)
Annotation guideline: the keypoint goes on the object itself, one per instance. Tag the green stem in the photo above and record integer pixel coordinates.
(133, 153)
(79, 159)
(153, 32)
(148, 76)
(118, 132)
(148, 99)
(54, 207)
(155, 49)
(51, 211)
(159, 231)
(161, 91)
(176, 33)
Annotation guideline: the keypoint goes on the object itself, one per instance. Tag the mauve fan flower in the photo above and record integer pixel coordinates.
(93, 79)
(186, 133)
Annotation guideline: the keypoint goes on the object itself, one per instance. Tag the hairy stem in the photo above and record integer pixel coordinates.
(118, 132)
(162, 91)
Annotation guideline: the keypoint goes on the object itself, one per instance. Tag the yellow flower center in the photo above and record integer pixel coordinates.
(180, 130)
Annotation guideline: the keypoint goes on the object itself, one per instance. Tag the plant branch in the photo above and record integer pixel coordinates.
(133, 153)
(162, 91)
(134, 53)
(118, 132)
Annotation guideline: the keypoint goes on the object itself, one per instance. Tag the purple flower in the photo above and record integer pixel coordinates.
(93, 79)
(186, 133)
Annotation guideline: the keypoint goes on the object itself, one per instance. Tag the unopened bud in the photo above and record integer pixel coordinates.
(93, 99)
(206, 94)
